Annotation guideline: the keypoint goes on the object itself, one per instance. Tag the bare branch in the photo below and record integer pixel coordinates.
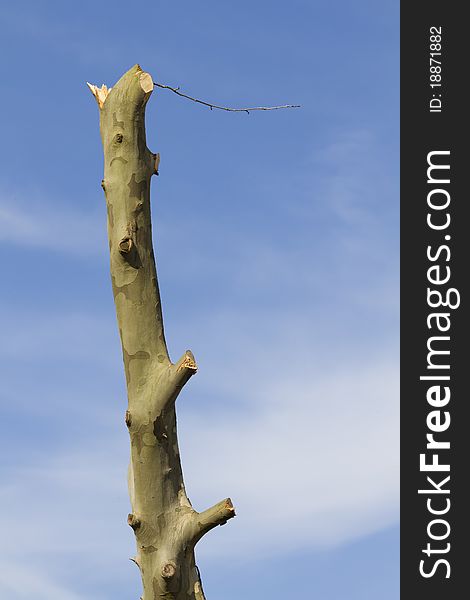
(218, 514)
(211, 106)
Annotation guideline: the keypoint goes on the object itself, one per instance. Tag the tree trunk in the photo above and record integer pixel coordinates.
(166, 526)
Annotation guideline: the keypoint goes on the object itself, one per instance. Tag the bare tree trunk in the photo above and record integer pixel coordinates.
(166, 526)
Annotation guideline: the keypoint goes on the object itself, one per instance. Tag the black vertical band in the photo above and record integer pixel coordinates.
(435, 306)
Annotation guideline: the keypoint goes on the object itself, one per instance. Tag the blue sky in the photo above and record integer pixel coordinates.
(276, 238)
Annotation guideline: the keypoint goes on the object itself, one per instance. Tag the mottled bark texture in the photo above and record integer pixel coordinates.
(166, 526)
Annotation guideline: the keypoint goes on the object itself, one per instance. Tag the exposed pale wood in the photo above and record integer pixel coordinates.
(99, 93)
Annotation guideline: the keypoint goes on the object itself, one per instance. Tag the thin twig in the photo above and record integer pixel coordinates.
(211, 106)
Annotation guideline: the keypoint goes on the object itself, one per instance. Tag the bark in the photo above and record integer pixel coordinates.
(166, 526)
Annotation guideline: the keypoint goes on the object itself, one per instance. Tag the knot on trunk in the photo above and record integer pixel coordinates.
(125, 245)
(128, 251)
(133, 521)
(169, 570)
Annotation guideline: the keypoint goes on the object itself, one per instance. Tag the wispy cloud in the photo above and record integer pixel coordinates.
(52, 226)
(67, 336)
(310, 457)
(20, 582)
(294, 412)
(64, 525)
(355, 180)
(310, 461)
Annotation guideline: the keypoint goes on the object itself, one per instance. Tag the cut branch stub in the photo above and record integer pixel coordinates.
(169, 570)
(133, 521)
(125, 245)
(99, 93)
(218, 514)
(165, 524)
(157, 162)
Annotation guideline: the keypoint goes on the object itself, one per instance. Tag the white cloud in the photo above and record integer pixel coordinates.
(310, 461)
(51, 227)
(355, 180)
(67, 335)
(304, 432)
(64, 525)
(20, 582)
